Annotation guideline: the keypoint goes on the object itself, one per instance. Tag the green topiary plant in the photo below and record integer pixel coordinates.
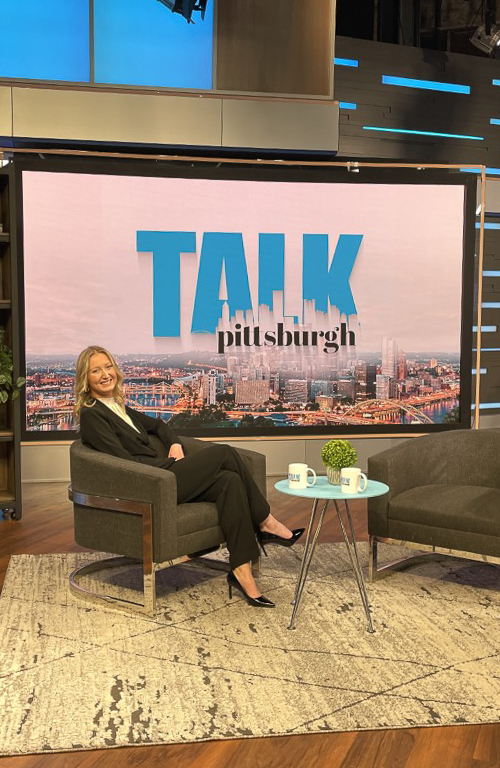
(338, 454)
(8, 387)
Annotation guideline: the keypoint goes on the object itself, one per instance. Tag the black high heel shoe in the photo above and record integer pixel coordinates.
(257, 602)
(263, 537)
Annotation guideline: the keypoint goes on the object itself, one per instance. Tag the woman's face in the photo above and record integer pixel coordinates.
(101, 376)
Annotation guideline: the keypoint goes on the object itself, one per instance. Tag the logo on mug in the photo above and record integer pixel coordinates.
(298, 476)
(353, 480)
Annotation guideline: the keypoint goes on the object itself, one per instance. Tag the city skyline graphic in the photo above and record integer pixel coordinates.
(254, 391)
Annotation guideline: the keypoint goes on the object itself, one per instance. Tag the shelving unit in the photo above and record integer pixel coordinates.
(10, 425)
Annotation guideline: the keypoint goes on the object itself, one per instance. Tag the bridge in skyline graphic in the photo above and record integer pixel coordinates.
(374, 411)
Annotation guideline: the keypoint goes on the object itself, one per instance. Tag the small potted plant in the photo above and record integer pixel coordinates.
(335, 455)
(9, 387)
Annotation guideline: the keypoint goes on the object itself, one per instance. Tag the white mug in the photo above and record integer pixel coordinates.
(352, 480)
(297, 476)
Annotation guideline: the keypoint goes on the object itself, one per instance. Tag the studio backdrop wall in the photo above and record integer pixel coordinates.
(252, 302)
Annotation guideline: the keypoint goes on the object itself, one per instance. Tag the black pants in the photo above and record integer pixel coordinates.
(217, 473)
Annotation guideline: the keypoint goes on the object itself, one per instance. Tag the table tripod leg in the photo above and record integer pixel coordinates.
(354, 564)
(354, 558)
(307, 557)
(306, 546)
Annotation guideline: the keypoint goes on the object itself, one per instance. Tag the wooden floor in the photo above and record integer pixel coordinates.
(47, 527)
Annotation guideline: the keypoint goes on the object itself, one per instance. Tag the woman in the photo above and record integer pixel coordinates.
(217, 473)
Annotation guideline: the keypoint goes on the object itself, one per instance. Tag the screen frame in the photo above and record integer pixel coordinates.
(280, 172)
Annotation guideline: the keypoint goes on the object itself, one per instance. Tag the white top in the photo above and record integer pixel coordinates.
(118, 409)
(322, 489)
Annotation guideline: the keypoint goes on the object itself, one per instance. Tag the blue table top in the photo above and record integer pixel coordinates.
(325, 490)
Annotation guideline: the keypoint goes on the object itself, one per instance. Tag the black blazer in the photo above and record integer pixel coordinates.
(105, 431)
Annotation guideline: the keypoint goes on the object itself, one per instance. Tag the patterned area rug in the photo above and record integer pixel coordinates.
(74, 677)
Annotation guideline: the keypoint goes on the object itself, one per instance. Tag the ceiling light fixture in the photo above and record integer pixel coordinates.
(489, 43)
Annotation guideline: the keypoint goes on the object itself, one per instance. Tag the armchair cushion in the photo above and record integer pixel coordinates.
(464, 508)
(196, 516)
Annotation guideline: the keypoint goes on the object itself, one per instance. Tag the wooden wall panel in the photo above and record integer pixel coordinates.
(93, 115)
(304, 125)
(275, 46)
(280, 124)
(5, 111)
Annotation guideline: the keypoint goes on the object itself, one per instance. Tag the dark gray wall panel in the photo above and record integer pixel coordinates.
(398, 107)
(389, 106)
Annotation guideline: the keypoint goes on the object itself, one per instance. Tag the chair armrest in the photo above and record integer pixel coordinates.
(417, 461)
(99, 474)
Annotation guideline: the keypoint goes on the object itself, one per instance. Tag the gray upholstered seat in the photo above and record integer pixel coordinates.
(444, 495)
(130, 509)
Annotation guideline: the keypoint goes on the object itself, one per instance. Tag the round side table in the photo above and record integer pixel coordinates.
(325, 491)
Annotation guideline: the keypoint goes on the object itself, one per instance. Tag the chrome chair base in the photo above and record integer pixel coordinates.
(147, 607)
(426, 551)
(149, 568)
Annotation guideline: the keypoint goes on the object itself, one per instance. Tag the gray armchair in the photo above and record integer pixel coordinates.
(130, 509)
(444, 496)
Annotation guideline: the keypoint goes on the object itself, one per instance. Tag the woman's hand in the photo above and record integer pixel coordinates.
(176, 452)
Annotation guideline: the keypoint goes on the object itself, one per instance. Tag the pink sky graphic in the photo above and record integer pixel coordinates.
(86, 284)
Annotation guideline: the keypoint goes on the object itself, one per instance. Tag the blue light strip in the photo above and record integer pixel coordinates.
(495, 121)
(490, 304)
(486, 406)
(347, 105)
(488, 226)
(485, 329)
(488, 349)
(429, 85)
(423, 133)
(482, 370)
(346, 62)
(489, 171)
(491, 272)
(496, 82)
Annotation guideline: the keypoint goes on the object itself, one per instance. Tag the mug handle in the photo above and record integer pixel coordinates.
(314, 478)
(363, 478)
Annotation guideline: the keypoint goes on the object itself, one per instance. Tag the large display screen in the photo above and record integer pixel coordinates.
(141, 42)
(257, 303)
(45, 40)
(133, 42)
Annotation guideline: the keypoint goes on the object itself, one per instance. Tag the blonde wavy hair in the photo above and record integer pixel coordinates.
(83, 396)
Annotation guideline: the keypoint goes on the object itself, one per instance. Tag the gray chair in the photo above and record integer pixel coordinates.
(130, 509)
(444, 497)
